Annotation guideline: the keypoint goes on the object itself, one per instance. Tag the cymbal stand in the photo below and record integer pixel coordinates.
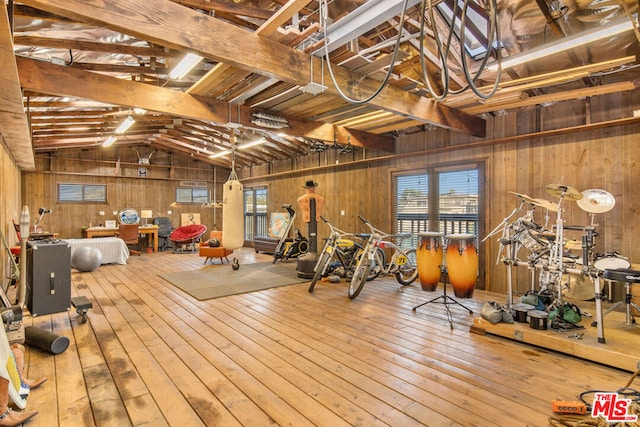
(505, 240)
(444, 298)
(555, 258)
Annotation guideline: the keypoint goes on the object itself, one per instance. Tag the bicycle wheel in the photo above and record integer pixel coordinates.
(321, 266)
(359, 277)
(408, 270)
(378, 264)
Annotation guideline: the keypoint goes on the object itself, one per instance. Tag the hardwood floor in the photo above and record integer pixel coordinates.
(152, 355)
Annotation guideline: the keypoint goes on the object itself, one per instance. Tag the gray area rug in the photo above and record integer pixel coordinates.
(214, 281)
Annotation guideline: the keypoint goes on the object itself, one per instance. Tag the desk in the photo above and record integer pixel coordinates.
(151, 232)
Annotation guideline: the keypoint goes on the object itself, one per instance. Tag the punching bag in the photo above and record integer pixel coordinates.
(232, 214)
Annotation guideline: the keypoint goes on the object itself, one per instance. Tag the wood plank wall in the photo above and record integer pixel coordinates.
(157, 191)
(10, 207)
(588, 159)
(360, 183)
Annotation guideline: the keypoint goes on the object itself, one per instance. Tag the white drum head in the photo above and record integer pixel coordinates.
(460, 236)
(431, 234)
(611, 263)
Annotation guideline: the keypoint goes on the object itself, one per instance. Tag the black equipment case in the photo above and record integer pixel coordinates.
(48, 276)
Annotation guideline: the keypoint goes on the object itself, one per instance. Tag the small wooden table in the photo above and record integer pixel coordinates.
(150, 231)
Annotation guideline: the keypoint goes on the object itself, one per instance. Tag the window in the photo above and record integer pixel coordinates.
(439, 199)
(82, 193)
(192, 195)
(255, 213)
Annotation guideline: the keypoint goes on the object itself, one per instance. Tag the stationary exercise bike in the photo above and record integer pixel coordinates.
(290, 247)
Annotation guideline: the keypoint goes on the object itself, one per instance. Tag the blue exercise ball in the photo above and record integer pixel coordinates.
(86, 258)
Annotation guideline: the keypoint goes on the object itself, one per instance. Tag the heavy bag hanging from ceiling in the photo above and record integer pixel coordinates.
(232, 209)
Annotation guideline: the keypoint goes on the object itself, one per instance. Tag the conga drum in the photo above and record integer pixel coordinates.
(429, 258)
(462, 264)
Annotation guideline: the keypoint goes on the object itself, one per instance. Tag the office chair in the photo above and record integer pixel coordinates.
(164, 231)
(130, 234)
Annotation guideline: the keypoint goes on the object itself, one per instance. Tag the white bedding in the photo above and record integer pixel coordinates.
(114, 250)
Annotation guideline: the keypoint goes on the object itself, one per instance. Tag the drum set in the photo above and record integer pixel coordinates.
(560, 271)
(456, 257)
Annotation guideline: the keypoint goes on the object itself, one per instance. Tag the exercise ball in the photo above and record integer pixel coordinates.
(86, 258)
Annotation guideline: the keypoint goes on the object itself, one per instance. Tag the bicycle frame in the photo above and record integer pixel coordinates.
(402, 264)
(334, 249)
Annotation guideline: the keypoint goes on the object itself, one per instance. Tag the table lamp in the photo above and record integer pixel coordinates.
(146, 214)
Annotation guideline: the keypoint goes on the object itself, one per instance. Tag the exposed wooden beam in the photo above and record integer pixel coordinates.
(228, 7)
(58, 80)
(177, 27)
(89, 46)
(555, 97)
(15, 128)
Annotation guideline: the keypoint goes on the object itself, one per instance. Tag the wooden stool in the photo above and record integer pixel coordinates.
(211, 252)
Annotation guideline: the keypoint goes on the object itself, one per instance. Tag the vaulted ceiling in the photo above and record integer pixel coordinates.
(75, 69)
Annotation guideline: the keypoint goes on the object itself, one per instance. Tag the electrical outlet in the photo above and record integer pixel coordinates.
(169, 212)
(115, 213)
(101, 213)
(342, 213)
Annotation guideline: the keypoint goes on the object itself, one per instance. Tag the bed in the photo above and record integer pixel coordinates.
(114, 250)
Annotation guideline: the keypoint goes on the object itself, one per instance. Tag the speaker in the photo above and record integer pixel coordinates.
(48, 277)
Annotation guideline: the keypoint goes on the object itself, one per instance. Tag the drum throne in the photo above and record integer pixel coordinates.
(628, 277)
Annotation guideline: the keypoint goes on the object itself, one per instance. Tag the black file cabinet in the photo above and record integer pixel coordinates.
(48, 277)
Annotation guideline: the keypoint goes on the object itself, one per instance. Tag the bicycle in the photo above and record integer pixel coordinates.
(340, 246)
(402, 265)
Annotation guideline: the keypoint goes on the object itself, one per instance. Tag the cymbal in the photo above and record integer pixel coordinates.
(564, 191)
(596, 201)
(523, 196)
(581, 288)
(573, 245)
(546, 204)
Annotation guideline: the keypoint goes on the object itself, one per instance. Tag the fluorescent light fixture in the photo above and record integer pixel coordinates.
(124, 126)
(220, 154)
(109, 141)
(580, 39)
(184, 66)
(240, 147)
(252, 144)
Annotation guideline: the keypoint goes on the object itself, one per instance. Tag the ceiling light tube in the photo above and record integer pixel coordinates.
(566, 43)
(109, 141)
(124, 126)
(184, 66)
(252, 144)
(219, 154)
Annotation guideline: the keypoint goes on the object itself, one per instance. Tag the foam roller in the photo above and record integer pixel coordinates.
(45, 340)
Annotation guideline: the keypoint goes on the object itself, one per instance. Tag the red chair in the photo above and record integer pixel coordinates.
(187, 235)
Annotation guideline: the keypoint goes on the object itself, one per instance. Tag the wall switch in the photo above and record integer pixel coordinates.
(101, 213)
(169, 212)
(342, 212)
(115, 213)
